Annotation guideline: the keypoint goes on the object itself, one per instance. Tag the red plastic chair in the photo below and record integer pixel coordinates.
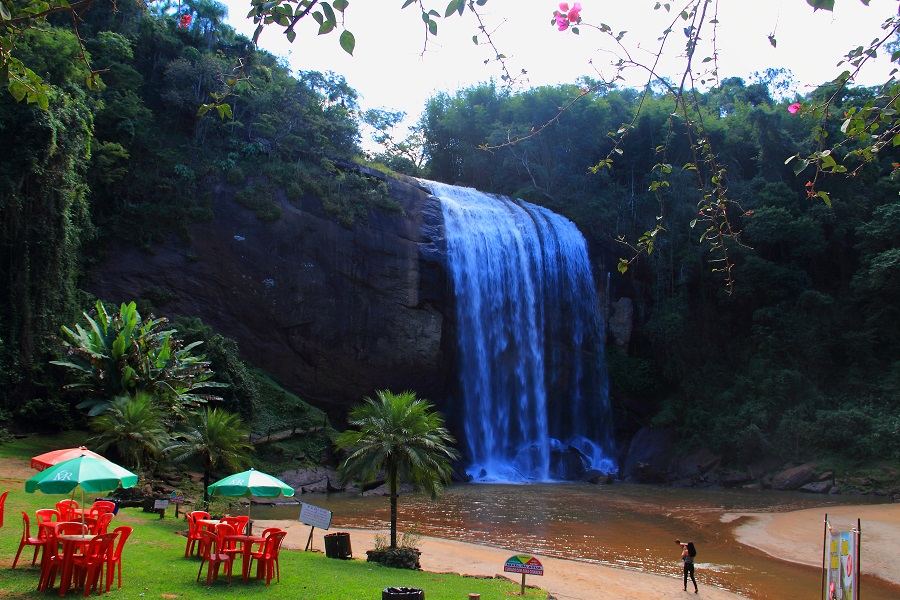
(101, 524)
(44, 516)
(222, 531)
(214, 557)
(267, 557)
(27, 540)
(89, 566)
(2, 505)
(100, 507)
(194, 531)
(114, 559)
(50, 561)
(238, 523)
(66, 509)
(72, 528)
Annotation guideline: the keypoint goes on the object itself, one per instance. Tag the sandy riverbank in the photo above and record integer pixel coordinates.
(797, 536)
(565, 579)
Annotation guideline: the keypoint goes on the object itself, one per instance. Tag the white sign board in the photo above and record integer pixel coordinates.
(160, 504)
(315, 516)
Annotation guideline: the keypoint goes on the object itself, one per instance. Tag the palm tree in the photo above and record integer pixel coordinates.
(134, 427)
(218, 438)
(403, 436)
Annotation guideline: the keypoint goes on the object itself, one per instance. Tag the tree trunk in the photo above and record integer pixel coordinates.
(392, 478)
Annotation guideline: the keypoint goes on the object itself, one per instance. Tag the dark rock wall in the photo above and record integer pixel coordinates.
(332, 312)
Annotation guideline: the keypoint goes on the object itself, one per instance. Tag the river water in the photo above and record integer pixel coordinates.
(625, 526)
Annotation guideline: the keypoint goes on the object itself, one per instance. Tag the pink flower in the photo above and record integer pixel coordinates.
(575, 14)
(561, 22)
(564, 7)
(185, 21)
(794, 108)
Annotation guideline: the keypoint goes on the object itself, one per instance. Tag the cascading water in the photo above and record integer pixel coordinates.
(532, 373)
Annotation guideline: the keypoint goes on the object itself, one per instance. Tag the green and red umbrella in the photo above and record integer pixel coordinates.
(48, 459)
(89, 473)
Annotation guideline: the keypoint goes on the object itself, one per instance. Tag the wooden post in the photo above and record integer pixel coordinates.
(823, 591)
(309, 540)
(858, 554)
(523, 584)
(474, 596)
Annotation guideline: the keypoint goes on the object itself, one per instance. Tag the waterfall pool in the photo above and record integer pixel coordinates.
(621, 525)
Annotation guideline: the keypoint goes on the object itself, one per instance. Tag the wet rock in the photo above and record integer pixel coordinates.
(384, 490)
(697, 463)
(309, 481)
(731, 478)
(648, 457)
(368, 300)
(597, 477)
(825, 476)
(569, 464)
(817, 487)
(621, 321)
(795, 477)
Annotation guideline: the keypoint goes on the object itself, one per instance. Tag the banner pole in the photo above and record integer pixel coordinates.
(523, 584)
(822, 591)
(858, 554)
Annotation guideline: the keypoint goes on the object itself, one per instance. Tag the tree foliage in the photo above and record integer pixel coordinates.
(121, 353)
(216, 438)
(810, 330)
(132, 428)
(401, 436)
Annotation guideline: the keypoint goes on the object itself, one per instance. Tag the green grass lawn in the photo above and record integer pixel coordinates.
(154, 565)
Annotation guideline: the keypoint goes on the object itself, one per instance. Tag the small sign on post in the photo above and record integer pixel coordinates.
(161, 506)
(524, 564)
(176, 499)
(314, 516)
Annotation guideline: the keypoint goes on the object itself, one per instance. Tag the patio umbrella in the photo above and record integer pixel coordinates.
(250, 483)
(48, 459)
(87, 473)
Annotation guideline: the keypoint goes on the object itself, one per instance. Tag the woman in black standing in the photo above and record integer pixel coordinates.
(688, 552)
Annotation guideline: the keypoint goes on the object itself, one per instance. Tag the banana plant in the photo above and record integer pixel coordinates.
(122, 354)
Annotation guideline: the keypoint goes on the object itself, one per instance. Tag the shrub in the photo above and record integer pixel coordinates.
(399, 558)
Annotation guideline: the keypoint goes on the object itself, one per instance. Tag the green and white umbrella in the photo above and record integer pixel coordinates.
(250, 483)
(88, 473)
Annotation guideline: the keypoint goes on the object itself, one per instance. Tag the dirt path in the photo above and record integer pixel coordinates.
(797, 536)
(565, 579)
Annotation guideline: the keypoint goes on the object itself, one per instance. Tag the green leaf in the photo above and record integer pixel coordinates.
(407, 3)
(475, 39)
(329, 12)
(821, 4)
(224, 111)
(825, 198)
(432, 27)
(291, 35)
(800, 165)
(348, 42)
(622, 267)
(327, 27)
(4, 13)
(340, 5)
(452, 7)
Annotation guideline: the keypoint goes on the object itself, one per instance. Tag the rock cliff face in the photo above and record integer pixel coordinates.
(333, 312)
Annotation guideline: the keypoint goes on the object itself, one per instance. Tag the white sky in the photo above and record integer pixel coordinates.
(390, 71)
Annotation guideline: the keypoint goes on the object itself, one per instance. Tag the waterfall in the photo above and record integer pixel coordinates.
(532, 377)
